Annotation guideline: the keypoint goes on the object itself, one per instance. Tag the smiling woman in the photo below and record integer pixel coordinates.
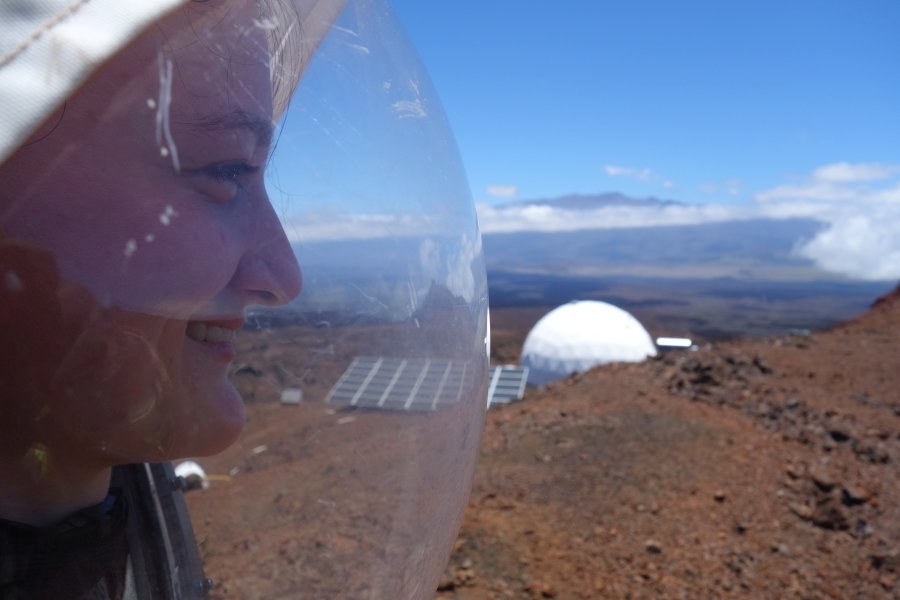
(136, 233)
(122, 236)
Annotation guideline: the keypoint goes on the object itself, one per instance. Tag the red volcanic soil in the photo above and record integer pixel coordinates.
(763, 468)
(756, 468)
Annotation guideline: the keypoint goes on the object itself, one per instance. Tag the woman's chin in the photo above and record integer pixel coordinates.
(215, 425)
(206, 424)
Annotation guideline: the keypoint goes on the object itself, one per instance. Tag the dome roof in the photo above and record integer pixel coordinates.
(580, 335)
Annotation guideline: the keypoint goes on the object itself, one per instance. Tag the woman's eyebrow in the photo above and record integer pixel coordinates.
(261, 127)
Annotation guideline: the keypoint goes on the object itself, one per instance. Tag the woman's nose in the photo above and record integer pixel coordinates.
(268, 272)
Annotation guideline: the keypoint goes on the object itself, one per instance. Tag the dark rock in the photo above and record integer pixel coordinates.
(831, 514)
(653, 547)
(853, 495)
(839, 434)
(824, 480)
(762, 366)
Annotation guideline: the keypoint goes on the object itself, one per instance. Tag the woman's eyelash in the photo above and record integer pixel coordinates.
(231, 171)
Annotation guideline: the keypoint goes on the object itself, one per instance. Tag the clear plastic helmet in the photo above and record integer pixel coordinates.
(237, 232)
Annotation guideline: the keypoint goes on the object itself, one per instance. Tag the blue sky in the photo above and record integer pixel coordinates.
(737, 110)
(694, 101)
(742, 110)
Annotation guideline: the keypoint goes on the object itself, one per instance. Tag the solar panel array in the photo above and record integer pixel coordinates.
(507, 384)
(400, 384)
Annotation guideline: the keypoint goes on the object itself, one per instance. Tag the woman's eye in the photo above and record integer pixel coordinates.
(231, 172)
(222, 181)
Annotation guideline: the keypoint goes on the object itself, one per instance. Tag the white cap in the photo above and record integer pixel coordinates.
(49, 47)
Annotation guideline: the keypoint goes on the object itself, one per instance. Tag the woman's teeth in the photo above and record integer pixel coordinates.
(206, 332)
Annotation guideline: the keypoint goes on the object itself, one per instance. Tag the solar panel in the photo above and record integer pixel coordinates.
(507, 384)
(409, 384)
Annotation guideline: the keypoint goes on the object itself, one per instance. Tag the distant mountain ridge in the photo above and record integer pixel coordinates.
(594, 201)
(757, 247)
(706, 280)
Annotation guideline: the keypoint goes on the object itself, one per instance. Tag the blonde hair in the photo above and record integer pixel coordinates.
(294, 29)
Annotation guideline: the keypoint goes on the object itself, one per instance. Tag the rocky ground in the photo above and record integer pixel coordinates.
(759, 468)
(756, 468)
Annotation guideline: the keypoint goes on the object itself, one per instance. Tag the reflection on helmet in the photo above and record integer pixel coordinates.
(155, 217)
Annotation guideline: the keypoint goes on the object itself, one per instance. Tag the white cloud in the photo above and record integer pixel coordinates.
(314, 226)
(507, 219)
(891, 194)
(864, 246)
(502, 191)
(861, 204)
(638, 174)
(813, 190)
(850, 173)
(641, 174)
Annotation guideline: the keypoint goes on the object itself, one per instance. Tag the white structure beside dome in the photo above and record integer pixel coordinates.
(580, 335)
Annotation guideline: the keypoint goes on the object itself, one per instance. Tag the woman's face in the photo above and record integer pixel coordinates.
(147, 191)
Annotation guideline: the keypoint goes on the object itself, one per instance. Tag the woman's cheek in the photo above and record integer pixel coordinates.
(180, 269)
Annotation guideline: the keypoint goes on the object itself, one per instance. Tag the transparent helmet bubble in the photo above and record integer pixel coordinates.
(246, 241)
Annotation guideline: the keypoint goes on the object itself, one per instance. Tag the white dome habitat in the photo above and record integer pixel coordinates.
(580, 335)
